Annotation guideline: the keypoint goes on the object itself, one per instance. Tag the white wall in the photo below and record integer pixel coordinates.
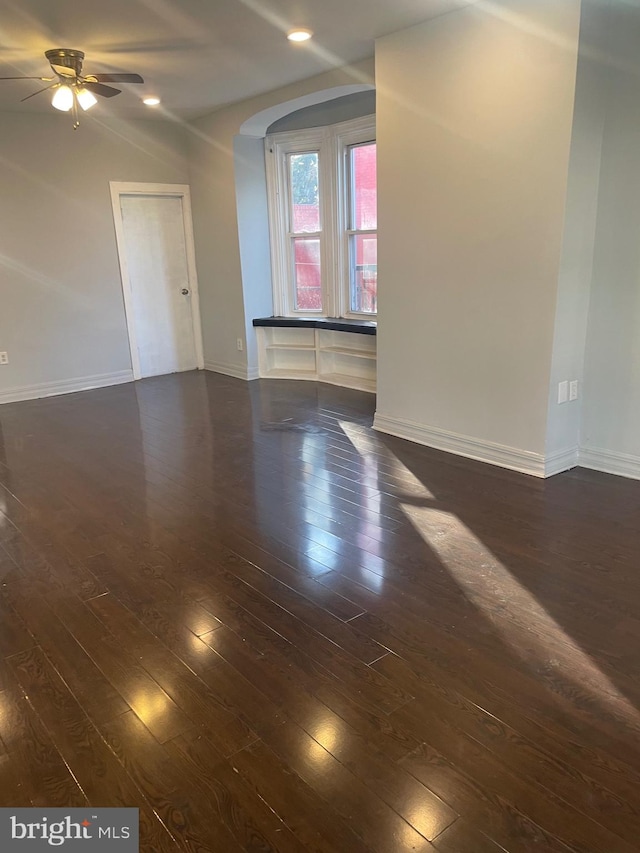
(212, 145)
(611, 409)
(62, 317)
(474, 115)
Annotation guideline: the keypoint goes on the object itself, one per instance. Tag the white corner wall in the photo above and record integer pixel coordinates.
(62, 315)
(253, 236)
(576, 268)
(611, 407)
(474, 117)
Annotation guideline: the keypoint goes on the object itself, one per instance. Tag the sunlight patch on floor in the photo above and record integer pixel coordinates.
(515, 613)
(372, 449)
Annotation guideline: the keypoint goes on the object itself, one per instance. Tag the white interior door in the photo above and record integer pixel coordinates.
(158, 282)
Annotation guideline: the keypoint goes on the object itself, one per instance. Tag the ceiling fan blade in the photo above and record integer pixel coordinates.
(27, 78)
(33, 94)
(63, 71)
(115, 78)
(101, 89)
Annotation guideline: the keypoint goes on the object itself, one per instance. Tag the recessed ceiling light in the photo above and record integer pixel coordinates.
(299, 34)
(151, 102)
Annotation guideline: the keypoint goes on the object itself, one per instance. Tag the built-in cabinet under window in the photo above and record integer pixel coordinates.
(341, 356)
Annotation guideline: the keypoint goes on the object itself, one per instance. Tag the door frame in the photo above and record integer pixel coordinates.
(120, 188)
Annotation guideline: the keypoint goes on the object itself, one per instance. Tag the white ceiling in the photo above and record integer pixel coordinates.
(195, 54)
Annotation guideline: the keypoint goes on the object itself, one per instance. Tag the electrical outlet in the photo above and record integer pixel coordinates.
(573, 389)
(563, 391)
(239, 344)
(4, 358)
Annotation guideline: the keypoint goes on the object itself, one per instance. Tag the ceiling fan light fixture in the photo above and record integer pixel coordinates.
(71, 89)
(85, 98)
(151, 101)
(62, 98)
(299, 34)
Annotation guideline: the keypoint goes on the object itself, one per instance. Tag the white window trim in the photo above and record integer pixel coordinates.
(333, 144)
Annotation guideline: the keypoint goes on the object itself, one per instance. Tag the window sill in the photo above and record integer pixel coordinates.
(333, 324)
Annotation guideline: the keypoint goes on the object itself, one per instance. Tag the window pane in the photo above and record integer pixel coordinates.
(305, 197)
(307, 277)
(364, 213)
(364, 273)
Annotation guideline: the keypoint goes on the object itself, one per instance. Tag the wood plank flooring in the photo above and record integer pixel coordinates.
(238, 608)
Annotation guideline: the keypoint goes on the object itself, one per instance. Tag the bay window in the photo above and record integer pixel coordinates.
(323, 220)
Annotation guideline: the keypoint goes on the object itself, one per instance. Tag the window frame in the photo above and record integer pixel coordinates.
(346, 141)
(333, 144)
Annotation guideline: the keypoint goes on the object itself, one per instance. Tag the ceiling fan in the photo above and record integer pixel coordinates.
(70, 87)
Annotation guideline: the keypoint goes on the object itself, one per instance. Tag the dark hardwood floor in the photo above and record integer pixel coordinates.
(238, 608)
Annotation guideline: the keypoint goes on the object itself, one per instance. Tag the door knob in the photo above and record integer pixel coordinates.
(185, 291)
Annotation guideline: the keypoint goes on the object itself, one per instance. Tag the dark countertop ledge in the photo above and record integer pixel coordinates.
(334, 324)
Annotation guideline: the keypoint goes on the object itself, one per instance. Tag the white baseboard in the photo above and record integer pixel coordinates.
(235, 370)
(561, 460)
(610, 462)
(253, 373)
(524, 461)
(69, 386)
